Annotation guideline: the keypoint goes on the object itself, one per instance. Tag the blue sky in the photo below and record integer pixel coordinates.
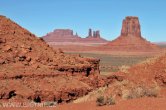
(43, 16)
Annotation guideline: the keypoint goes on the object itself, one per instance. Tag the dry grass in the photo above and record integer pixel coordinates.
(101, 100)
(111, 100)
(140, 91)
(92, 95)
(124, 69)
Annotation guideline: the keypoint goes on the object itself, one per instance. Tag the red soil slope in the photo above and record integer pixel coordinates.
(150, 71)
(134, 104)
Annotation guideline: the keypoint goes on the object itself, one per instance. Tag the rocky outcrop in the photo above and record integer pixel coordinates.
(61, 35)
(60, 88)
(96, 34)
(66, 36)
(22, 50)
(56, 89)
(90, 32)
(130, 38)
(131, 27)
(31, 70)
(94, 37)
(64, 32)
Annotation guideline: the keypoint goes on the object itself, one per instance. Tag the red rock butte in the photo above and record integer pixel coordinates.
(67, 36)
(131, 38)
(94, 37)
(61, 35)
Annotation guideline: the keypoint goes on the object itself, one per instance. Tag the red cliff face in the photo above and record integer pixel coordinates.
(131, 27)
(130, 38)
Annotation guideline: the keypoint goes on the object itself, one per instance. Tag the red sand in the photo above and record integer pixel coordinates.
(133, 104)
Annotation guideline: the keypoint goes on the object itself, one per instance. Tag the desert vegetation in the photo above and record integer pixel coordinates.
(140, 91)
(101, 100)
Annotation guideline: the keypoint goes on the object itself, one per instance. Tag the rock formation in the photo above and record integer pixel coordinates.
(96, 34)
(64, 32)
(130, 38)
(95, 37)
(61, 35)
(131, 27)
(30, 70)
(67, 36)
(90, 32)
(20, 46)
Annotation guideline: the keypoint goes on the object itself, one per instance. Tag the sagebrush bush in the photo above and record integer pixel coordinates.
(139, 92)
(152, 92)
(110, 101)
(101, 100)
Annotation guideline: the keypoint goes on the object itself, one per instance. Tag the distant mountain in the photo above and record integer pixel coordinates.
(160, 43)
(67, 36)
(61, 35)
